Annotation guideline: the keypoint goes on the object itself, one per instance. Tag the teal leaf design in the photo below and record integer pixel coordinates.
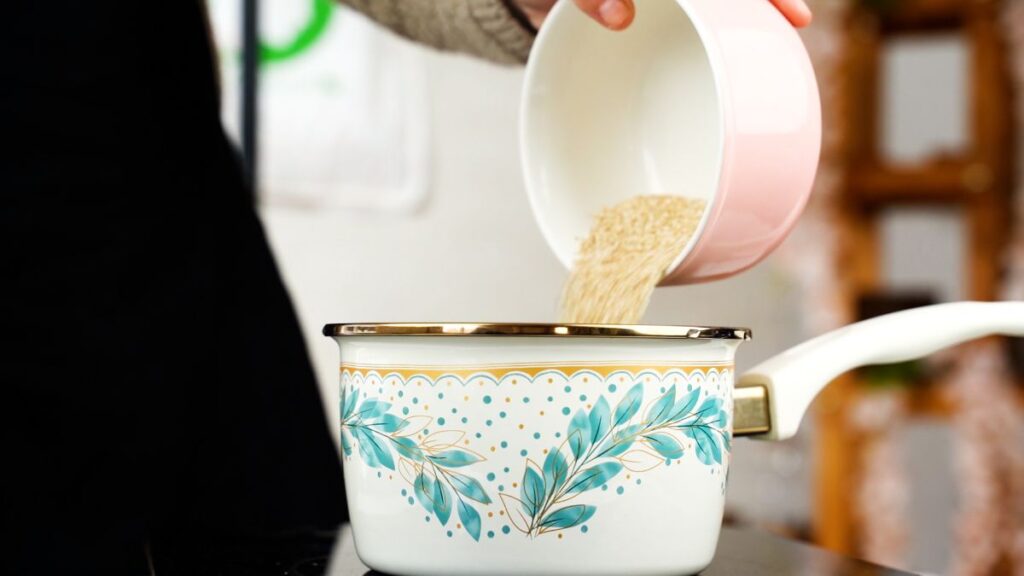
(532, 491)
(593, 477)
(685, 404)
(662, 407)
(469, 487)
(556, 471)
(665, 445)
(407, 447)
(442, 502)
(579, 434)
(720, 420)
(470, 519)
(365, 443)
(375, 444)
(567, 517)
(622, 440)
(346, 442)
(348, 404)
(600, 420)
(711, 406)
(387, 423)
(629, 405)
(373, 408)
(413, 425)
(456, 458)
(706, 445)
(424, 489)
(602, 442)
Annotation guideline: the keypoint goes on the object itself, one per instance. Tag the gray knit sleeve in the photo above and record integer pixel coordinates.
(485, 28)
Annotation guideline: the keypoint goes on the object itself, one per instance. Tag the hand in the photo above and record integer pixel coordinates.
(618, 14)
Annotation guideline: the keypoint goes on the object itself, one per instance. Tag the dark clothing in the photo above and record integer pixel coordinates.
(157, 395)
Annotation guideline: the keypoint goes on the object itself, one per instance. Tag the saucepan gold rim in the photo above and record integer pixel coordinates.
(539, 330)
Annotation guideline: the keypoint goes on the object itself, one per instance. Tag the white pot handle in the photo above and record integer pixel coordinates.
(792, 379)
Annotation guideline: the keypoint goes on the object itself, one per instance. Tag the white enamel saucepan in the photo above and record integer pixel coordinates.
(534, 449)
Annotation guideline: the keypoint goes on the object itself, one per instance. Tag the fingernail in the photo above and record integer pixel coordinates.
(615, 14)
(802, 15)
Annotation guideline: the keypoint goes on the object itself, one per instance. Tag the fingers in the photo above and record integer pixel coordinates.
(796, 11)
(612, 14)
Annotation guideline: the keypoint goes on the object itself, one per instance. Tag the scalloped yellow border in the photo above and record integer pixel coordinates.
(528, 370)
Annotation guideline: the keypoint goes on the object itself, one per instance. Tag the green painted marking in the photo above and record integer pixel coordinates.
(304, 39)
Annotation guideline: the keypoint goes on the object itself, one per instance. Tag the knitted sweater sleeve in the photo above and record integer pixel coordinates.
(490, 29)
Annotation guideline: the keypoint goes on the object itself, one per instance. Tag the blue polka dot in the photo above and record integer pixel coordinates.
(405, 410)
(464, 420)
(583, 397)
(505, 529)
(536, 435)
(506, 469)
(440, 421)
(504, 444)
(566, 410)
(568, 389)
(489, 422)
(378, 474)
(662, 389)
(487, 399)
(523, 453)
(400, 393)
(639, 481)
(426, 518)
(501, 487)
(526, 399)
(490, 476)
(415, 400)
(490, 533)
(605, 487)
(502, 414)
(426, 432)
(558, 434)
(404, 492)
(440, 395)
(478, 435)
(611, 388)
(455, 410)
(411, 501)
(584, 529)
(551, 398)
(449, 533)
(620, 490)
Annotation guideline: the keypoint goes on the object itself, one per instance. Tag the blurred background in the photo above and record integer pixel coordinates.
(389, 180)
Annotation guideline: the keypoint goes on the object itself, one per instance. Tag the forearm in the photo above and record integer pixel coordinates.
(485, 28)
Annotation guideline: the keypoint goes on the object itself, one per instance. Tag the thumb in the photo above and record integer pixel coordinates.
(613, 14)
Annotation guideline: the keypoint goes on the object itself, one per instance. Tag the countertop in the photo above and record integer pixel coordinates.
(741, 552)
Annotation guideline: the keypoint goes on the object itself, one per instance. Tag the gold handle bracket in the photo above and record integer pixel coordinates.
(750, 410)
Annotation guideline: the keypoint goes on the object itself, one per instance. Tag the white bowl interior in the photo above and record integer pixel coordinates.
(609, 115)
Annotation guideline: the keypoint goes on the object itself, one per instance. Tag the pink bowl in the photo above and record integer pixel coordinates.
(699, 98)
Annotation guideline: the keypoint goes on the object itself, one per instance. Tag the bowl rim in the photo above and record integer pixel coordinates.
(538, 330)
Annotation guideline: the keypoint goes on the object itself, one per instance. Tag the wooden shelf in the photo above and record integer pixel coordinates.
(923, 16)
(936, 182)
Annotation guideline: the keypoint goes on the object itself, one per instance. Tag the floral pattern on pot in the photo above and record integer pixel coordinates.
(386, 419)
